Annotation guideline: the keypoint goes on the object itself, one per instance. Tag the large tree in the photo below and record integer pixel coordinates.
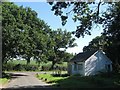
(23, 33)
(111, 26)
(60, 40)
(27, 36)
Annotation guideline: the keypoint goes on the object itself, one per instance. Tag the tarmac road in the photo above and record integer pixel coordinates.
(25, 80)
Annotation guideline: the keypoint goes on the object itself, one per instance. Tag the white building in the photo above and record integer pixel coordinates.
(89, 63)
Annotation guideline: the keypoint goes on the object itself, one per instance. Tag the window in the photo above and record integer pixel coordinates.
(75, 66)
(80, 66)
(108, 67)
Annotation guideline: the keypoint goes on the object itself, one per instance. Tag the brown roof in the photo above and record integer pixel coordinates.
(80, 57)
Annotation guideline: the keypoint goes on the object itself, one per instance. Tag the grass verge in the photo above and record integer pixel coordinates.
(76, 81)
(49, 78)
(3, 81)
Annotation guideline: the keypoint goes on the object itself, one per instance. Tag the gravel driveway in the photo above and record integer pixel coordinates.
(25, 80)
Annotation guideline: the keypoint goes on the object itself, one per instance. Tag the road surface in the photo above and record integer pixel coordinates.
(22, 80)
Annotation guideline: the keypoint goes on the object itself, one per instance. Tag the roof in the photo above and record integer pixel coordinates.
(80, 57)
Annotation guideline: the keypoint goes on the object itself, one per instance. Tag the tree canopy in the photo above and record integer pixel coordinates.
(81, 12)
(24, 35)
(112, 32)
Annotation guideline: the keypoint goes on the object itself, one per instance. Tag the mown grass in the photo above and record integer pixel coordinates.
(49, 78)
(76, 81)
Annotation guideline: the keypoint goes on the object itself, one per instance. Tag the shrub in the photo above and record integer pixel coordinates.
(8, 66)
(31, 67)
(18, 67)
(45, 67)
(5, 75)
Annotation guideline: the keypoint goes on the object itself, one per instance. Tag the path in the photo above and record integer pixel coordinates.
(25, 80)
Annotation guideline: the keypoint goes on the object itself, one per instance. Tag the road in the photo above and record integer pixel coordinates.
(25, 80)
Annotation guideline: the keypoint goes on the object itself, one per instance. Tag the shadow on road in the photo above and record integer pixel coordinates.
(37, 88)
(14, 75)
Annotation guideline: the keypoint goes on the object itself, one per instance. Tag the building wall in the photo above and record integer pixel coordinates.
(97, 63)
(78, 70)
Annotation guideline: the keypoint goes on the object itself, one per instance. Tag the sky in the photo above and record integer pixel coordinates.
(44, 12)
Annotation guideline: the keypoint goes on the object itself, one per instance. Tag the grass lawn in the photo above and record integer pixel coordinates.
(49, 78)
(77, 81)
(3, 81)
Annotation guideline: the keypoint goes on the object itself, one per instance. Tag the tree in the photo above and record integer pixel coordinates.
(10, 32)
(59, 40)
(27, 36)
(111, 26)
(96, 44)
(82, 12)
(23, 33)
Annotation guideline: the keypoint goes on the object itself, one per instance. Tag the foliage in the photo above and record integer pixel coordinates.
(96, 44)
(45, 67)
(20, 65)
(6, 75)
(28, 37)
(81, 12)
(112, 32)
(22, 32)
(60, 40)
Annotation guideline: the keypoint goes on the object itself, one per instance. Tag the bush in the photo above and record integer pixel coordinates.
(30, 67)
(18, 67)
(45, 67)
(8, 66)
(5, 75)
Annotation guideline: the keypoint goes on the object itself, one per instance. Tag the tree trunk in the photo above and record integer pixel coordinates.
(53, 64)
(28, 60)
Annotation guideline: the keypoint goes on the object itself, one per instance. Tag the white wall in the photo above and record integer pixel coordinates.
(77, 71)
(96, 63)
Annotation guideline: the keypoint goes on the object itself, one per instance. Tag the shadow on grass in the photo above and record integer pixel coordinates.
(76, 81)
(39, 88)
